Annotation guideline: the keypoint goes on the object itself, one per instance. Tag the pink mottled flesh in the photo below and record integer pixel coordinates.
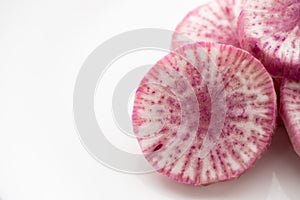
(164, 113)
(290, 111)
(215, 21)
(270, 30)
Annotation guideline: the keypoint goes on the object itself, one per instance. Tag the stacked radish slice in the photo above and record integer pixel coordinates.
(290, 111)
(207, 111)
(215, 21)
(270, 30)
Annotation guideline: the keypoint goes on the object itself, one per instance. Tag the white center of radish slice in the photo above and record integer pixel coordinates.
(218, 115)
(216, 93)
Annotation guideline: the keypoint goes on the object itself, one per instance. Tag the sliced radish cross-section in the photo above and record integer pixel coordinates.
(204, 113)
(270, 30)
(215, 21)
(290, 111)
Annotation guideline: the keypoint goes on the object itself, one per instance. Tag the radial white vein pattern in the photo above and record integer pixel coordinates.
(216, 116)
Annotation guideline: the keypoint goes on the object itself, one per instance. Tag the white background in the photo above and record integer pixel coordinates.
(42, 47)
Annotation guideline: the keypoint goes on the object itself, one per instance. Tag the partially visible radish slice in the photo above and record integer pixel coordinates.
(290, 111)
(205, 113)
(270, 30)
(212, 22)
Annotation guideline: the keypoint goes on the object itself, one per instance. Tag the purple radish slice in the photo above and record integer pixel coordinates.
(270, 30)
(212, 22)
(204, 113)
(290, 111)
